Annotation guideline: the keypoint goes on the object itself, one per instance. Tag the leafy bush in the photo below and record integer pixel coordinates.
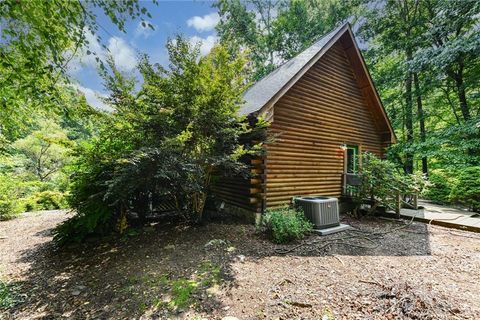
(467, 190)
(164, 142)
(9, 209)
(45, 200)
(285, 225)
(76, 229)
(18, 195)
(46, 150)
(93, 215)
(9, 206)
(380, 182)
(31, 171)
(440, 188)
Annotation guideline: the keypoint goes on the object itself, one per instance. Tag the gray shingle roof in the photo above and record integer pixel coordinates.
(265, 89)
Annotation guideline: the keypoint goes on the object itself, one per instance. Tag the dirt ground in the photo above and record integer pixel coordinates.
(165, 271)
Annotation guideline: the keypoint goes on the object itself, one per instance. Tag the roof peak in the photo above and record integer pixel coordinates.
(264, 90)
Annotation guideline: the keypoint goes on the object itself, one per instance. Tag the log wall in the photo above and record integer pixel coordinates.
(245, 193)
(332, 104)
(312, 120)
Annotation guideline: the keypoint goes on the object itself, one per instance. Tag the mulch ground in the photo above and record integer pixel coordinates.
(166, 271)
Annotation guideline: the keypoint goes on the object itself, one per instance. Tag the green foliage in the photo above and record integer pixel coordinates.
(9, 206)
(467, 190)
(440, 188)
(9, 296)
(182, 289)
(175, 293)
(165, 141)
(240, 28)
(275, 31)
(45, 200)
(453, 42)
(378, 181)
(18, 194)
(46, 150)
(423, 58)
(93, 215)
(97, 222)
(285, 225)
(460, 186)
(34, 169)
(9, 209)
(298, 24)
(381, 181)
(39, 39)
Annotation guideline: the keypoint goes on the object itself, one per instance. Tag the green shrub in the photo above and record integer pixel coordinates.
(18, 194)
(142, 156)
(93, 216)
(467, 190)
(45, 200)
(440, 188)
(380, 181)
(285, 225)
(9, 207)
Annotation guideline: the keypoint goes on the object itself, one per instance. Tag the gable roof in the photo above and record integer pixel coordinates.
(272, 87)
(265, 89)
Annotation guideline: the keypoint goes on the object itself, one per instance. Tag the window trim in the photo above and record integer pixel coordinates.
(356, 158)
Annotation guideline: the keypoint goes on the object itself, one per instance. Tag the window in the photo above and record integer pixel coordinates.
(352, 159)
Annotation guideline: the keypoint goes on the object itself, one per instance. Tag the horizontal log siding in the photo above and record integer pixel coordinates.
(242, 192)
(323, 110)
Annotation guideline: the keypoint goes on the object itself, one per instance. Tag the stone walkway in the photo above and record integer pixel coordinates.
(444, 216)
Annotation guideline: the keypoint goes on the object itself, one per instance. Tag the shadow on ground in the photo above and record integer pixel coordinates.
(171, 269)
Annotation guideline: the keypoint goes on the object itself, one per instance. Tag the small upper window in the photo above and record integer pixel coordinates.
(352, 159)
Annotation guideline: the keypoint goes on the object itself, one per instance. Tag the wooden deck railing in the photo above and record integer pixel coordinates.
(352, 182)
(405, 200)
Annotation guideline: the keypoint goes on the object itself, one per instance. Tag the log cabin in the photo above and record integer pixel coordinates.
(324, 111)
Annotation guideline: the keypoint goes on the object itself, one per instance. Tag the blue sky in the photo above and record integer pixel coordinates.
(194, 19)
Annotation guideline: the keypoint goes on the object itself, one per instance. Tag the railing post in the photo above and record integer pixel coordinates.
(415, 201)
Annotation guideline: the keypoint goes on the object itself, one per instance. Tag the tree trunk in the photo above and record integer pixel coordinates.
(409, 116)
(446, 92)
(462, 98)
(460, 86)
(141, 206)
(421, 120)
(200, 198)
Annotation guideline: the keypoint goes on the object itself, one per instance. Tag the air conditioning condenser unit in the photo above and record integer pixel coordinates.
(322, 212)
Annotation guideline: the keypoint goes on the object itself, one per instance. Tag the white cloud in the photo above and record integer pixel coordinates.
(87, 60)
(205, 23)
(206, 44)
(122, 53)
(144, 31)
(93, 97)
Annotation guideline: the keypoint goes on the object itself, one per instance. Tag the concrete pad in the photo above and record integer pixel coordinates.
(451, 219)
(419, 213)
(324, 232)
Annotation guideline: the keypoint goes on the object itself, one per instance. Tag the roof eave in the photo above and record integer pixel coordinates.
(305, 68)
